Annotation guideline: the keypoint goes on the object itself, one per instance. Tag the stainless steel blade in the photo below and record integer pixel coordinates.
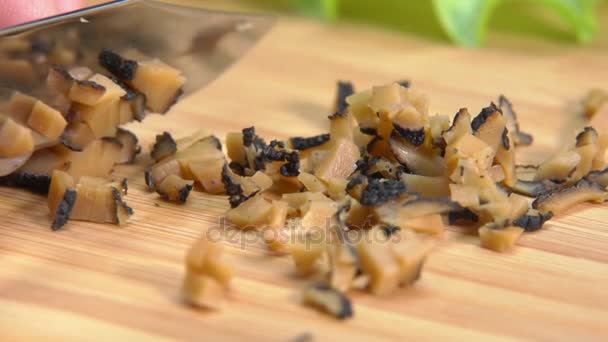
(199, 42)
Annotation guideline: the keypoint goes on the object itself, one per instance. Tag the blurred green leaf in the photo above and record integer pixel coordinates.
(466, 21)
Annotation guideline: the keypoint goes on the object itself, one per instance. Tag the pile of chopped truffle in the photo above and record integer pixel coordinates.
(65, 140)
(363, 203)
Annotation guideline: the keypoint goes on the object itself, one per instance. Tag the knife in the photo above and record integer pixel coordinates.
(201, 43)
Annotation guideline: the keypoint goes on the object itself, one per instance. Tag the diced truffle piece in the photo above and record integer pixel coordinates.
(36, 183)
(329, 300)
(411, 253)
(316, 214)
(102, 118)
(130, 146)
(379, 191)
(395, 213)
(251, 213)
(100, 201)
(61, 198)
(378, 261)
(489, 126)
(207, 277)
(556, 201)
(419, 162)
(469, 147)
(505, 157)
(59, 79)
(175, 189)
(301, 144)
(340, 162)
(15, 140)
(311, 182)
(306, 248)
(209, 174)
(46, 121)
(519, 138)
(96, 160)
(465, 195)
(159, 82)
(461, 126)
(163, 147)
(499, 238)
(343, 259)
(532, 220)
(344, 90)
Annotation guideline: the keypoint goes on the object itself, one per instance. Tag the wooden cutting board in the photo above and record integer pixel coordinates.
(97, 282)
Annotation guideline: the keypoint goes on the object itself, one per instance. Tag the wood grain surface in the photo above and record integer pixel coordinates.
(99, 282)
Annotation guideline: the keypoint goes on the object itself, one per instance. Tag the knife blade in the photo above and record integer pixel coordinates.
(199, 42)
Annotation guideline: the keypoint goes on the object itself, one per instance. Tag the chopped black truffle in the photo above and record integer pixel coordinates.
(485, 113)
(301, 144)
(533, 220)
(505, 139)
(379, 191)
(414, 136)
(344, 90)
(122, 68)
(329, 300)
(36, 183)
(64, 210)
(462, 216)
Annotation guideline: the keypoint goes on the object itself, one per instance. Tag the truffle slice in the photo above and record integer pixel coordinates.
(175, 189)
(498, 238)
(557, 201)
(519, 138)
(489, 126)
(329, 300)
(159, 82)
